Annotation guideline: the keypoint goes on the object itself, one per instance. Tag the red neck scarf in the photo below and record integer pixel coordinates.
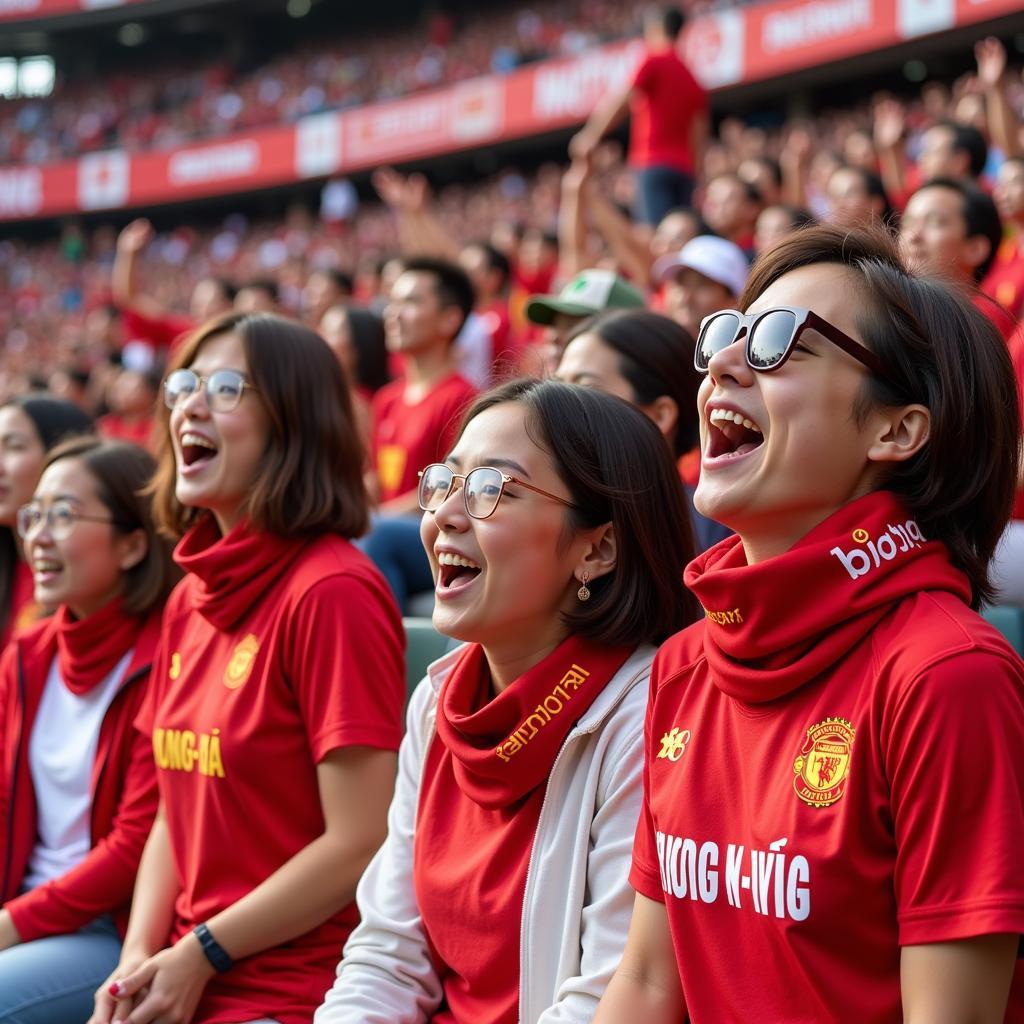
(89, 648)
(771, 627)
(502, 748)
(234, 571)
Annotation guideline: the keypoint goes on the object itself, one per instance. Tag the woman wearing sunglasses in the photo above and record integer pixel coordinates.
(557, 533)
(77, 781)
(275, 708)
(839, 837)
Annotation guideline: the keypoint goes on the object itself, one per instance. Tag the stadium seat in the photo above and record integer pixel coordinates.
(423, 644)
(1009, 621)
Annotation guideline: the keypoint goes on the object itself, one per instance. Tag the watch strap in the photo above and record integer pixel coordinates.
(215, 952)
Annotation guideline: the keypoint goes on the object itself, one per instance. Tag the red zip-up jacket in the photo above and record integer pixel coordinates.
(124, 793)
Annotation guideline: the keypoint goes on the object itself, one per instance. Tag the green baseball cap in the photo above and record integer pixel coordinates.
(589, 292)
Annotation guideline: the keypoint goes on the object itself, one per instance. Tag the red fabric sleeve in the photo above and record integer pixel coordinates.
(952, 752)
(645, 874)
(642, 77)
(160, 332)
(348, 669)
(104, 880)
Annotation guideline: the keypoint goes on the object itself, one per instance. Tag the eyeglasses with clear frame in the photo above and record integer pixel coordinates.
(771, 337)
(60, 519)
(224, 388)
(482, 489)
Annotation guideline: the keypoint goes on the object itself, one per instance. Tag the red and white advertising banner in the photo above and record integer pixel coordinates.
(728, 48)
(25, 10)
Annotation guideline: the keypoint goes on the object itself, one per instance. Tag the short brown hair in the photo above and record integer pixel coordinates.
(618, 469)
(122, 471)
(940, 352)
(310, 479)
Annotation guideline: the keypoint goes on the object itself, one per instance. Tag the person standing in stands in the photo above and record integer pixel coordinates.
(557, 534)
(415, 418)
(275, 704)
(77, 780)
(833, 784)
(670, 121)
(29, 427)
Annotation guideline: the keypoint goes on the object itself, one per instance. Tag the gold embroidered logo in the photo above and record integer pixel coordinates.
(824, 763)
(547, 709)
(175, 670)
(673, 744)
(725, 618)
(860, 536)
(240, 666)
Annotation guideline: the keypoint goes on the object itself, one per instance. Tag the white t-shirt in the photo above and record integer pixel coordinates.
(473, 351)
(61, 755)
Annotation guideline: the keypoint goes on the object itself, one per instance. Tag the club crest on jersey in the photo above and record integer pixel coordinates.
(871, 552)
(673, 744)
(823, 765)
(240, 666)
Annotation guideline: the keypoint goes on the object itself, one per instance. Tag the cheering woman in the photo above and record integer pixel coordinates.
(276, 705)
(834, 788)
(29, 427)
(77, 781)
(647, 359)
(557, 533)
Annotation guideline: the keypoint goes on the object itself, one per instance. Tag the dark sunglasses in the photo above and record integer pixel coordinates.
(772, 335)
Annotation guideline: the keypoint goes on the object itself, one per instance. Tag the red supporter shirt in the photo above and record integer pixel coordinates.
(24, 610)
(158, 332)
(407, 437)
(1001, 319)
(1005, 281)
(117, 428)
(1016, 346)
(274, 652)
(800, 832)
(666, 100)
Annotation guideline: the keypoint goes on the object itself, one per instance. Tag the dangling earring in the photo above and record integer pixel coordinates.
(584, 592)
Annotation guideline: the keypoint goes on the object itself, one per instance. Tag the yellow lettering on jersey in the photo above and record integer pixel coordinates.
(181, 750)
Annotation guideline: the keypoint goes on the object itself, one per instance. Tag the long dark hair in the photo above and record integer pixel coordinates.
(367, 331)
(618, 469)
(54, 419)
(656, 359)
(941, 352)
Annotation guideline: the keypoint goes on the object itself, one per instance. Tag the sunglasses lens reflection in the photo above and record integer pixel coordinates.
(770, 338)
(718, 333)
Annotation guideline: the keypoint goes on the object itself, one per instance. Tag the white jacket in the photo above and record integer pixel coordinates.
(577, 902)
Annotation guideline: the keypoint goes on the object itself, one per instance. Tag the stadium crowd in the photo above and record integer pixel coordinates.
(180, 101)
(748, 398)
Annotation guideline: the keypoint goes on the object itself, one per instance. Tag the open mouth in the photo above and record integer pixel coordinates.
(196, 449)
(46, 569)
(455, 572)
(731, 434)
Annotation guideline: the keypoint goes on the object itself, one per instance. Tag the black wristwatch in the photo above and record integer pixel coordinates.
(215, 952)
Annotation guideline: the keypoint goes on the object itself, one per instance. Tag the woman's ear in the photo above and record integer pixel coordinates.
(131, 549)
(664, 411)
(902, 432)
(600, 554)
